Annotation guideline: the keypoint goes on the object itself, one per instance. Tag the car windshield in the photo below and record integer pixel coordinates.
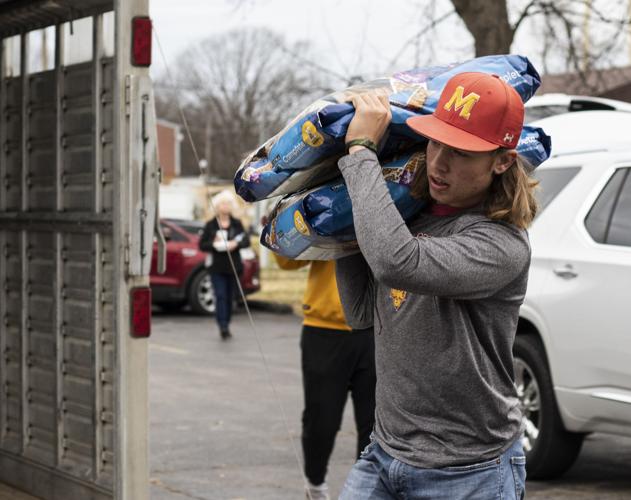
(533, 113)
(551, 183)
(190, 226)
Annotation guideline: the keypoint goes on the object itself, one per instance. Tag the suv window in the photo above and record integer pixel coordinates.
(620, 227)
(599, 219)
(533, 113)
(191, 227)
(551, 183)
(172, 234)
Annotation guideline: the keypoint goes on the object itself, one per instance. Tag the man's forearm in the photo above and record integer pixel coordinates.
(355, 286)
(380, 229)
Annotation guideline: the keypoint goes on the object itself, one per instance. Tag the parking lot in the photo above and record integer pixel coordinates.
(218, 431)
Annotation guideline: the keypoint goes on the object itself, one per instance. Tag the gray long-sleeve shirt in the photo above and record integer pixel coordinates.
(444, 296)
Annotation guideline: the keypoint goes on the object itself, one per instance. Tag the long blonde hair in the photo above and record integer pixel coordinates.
(511, 197)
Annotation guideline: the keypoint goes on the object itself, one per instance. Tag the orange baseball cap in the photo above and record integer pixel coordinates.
(475, 112)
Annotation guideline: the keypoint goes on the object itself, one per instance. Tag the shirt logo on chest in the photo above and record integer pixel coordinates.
(398, 298)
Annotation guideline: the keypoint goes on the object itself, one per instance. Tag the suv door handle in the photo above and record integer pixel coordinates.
(566, 272)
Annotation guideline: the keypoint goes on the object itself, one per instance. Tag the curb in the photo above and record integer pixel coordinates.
(272, 307)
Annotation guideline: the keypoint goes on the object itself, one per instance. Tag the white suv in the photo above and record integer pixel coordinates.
(544, 105)
(573, 344)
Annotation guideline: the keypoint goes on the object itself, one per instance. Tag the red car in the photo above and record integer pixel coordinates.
(186, 280)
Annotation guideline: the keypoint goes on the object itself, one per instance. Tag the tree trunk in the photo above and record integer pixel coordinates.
(487, 21)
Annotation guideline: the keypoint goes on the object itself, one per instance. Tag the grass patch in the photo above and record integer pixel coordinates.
(284, 287)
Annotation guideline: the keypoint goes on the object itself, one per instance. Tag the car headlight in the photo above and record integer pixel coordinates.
(189, 252)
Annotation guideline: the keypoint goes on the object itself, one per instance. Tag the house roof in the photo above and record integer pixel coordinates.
(614, 83)
(169, 124)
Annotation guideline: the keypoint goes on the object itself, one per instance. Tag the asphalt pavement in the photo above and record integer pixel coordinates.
(225, 419)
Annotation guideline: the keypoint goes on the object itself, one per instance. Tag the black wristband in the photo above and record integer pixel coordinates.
(367, 143)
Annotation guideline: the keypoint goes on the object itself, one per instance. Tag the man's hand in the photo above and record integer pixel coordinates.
(372, 117)
(232, 246)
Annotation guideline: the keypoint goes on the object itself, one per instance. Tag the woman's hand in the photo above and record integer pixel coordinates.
(372, 117)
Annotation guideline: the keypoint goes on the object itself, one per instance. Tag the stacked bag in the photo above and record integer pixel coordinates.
(314, 219)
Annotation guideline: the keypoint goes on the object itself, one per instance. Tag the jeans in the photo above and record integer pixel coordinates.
(376, 475)
(334, 363)
(223, 287)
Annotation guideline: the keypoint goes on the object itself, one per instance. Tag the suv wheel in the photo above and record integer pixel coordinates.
(550, 449)
(200, 295)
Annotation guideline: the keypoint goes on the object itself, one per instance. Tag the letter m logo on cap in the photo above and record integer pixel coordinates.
(462, 103)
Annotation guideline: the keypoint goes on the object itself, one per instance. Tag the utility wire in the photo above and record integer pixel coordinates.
(243, 297)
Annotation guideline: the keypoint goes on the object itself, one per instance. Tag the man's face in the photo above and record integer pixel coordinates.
(461, 178)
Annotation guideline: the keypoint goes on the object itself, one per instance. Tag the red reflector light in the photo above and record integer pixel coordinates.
(141, 312)
(141, 41)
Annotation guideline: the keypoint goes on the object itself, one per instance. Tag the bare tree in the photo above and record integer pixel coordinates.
(487, 21)
(570, 35)
(241, 87)
(563, 28)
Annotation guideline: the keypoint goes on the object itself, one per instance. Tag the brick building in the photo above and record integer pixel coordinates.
(169, 151)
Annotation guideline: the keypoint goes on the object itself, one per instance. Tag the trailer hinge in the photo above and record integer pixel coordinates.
(127, 253)
(127, 95)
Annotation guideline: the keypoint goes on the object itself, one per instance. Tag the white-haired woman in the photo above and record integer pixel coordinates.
(223, 237)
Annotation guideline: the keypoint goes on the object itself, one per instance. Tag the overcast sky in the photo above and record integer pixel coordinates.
(350, 36)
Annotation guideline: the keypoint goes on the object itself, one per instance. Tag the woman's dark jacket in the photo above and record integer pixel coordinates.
(220, 261)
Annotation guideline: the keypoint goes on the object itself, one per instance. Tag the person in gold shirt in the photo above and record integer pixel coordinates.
(336, 360)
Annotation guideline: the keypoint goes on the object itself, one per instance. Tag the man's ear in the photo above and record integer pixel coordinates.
(504, 161)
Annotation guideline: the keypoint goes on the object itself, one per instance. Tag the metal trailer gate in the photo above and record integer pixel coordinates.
(77, 203)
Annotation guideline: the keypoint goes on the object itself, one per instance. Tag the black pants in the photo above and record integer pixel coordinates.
(224, 286)
(333, 363)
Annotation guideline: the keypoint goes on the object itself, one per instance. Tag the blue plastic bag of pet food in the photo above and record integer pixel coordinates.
(306, 151)
(317, 224)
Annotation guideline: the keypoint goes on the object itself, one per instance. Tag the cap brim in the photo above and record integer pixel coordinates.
(445, 133)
